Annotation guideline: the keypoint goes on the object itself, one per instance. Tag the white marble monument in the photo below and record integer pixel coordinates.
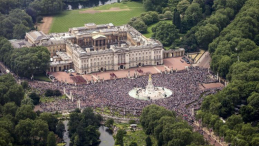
(150, 92)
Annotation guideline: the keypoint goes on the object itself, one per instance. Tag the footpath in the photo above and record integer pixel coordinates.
(209, 135)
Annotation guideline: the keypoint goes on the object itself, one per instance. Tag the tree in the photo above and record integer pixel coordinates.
(154, 16)
(147, 19)
(119, 137)
(247, 113)
(51, 120)
(7, 5)
(51, 140)
(25, 85)
(15, 93)
(35, 98)
(19, 31)
(256, 40)
(60, 129)
(15, 24)
(193, 14)
(6, 138)
(133, 143)
(206, 34)
(151, 115)
(132, 122)
(168, 15)
(234, 120)
(109, 123)
(39, 132)
(157, 5)
(24, 112)
(56, 93)
(148, 141)
(27, 101)
(165, 32)
(255, 141)
(182, 6)
(139, 25)
(49, 93)
(51, 7)
(92, 135)
(23, 131)
(37, 61)
(83, 127)
(39, 19)
(10, 108)
(177, 19)
(161, 16)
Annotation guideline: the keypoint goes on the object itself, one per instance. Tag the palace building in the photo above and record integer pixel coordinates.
(94, 48)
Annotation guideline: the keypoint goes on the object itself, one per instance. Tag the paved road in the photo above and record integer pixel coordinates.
(204, 60)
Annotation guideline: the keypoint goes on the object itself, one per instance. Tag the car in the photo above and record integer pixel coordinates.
(71, 70)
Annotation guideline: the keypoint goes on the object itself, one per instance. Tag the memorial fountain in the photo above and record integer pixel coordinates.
(150, 92)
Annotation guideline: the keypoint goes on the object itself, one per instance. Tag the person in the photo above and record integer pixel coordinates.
(114, 93)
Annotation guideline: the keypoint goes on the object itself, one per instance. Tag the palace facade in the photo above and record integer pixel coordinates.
(94, 48)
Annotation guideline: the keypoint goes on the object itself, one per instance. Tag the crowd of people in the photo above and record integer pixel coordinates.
(114, 93)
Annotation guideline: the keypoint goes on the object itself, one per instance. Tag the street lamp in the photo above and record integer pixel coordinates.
(237, 54)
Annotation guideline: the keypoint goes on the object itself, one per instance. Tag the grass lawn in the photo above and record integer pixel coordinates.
(138, 136)
(42, 78)
(73, 18)
(61, 144)
(50, 99)
(149, 32)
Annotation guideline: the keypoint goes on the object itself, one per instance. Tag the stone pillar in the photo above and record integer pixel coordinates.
(93, 42)
(101, 44)
(118, 38)
(106, 43)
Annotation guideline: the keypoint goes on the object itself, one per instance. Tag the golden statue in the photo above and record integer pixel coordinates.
(150, 77)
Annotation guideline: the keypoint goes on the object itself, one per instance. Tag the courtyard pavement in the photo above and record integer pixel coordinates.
(169, 63)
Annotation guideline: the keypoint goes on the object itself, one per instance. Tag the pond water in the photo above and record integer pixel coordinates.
(105, 137)
(65, 135)
(88, 4)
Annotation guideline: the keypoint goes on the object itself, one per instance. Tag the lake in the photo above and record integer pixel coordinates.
(65, 135)
(105, 137)
(88, 4)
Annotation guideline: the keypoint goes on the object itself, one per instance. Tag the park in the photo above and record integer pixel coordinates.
(117, 13)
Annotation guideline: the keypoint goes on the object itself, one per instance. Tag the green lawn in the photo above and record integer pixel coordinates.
(69, 19)
(42, 78)
(149, 32)
(51, 99)
(139, 137)
(61, 144)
